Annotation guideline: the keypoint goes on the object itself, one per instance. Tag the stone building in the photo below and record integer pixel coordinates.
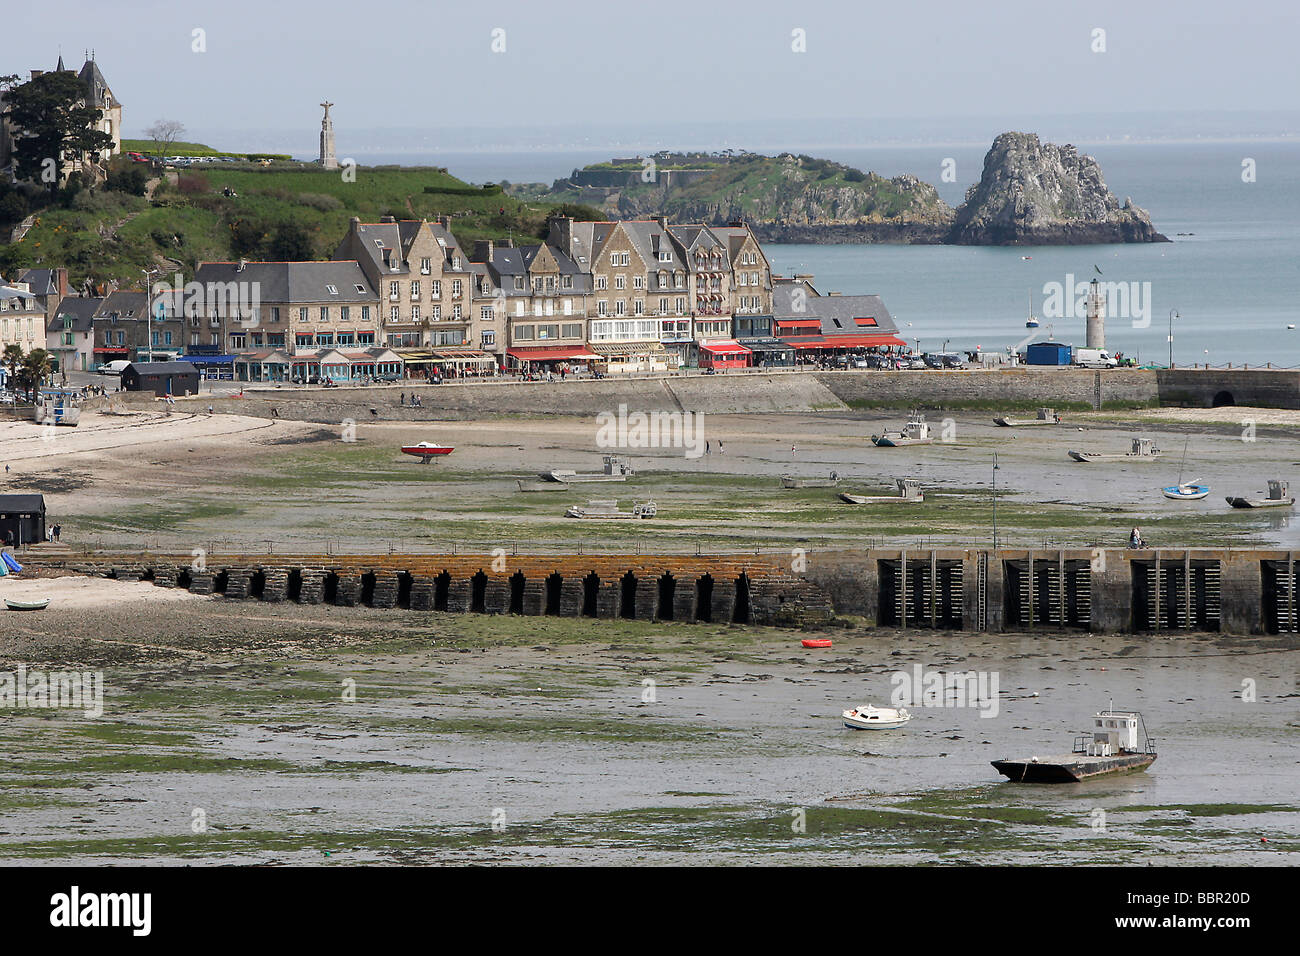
(99, 95)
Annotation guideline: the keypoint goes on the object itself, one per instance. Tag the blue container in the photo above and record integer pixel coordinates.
(1048, 353)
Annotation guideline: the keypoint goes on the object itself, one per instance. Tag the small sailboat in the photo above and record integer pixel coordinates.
(426, 450)
(867, 717)
(1032, 321)
(1186, 490)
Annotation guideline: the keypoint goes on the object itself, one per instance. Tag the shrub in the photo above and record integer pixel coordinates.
(192, 184)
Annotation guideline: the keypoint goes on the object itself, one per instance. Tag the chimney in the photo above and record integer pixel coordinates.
(560, 234)
(388, 219)
(61, 281)
(483, 249)
(663, 222)
(445, 222)
(737, 223)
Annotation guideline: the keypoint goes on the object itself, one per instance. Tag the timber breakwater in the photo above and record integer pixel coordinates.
(1232, 591)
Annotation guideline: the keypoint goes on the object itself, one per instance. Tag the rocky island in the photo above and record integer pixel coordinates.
(1041, 194)
(1030, 193)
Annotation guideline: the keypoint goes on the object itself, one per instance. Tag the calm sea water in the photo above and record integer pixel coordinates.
(1233, 276)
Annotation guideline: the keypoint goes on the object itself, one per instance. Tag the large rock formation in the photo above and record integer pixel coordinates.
(1034, 193)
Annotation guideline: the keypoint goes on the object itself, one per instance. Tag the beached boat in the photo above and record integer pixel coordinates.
(615, 468)
(1046, 416)
(1143, 449)
(1278, 497)
(542, 485)
(816, 642)
(1187, 491)
(1112, 747)
(790, 481)
(426, 451)
(915, 432)
(909, 492)
(867, 717)
(609, 509)
(40, 605)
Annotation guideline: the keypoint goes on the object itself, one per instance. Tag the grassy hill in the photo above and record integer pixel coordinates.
(719, 187)
(105, 234)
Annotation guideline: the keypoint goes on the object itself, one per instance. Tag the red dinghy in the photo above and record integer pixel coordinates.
(816, 642)
(426, 450)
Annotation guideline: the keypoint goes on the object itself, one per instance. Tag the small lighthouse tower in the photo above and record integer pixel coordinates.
(1096, 317)
(327, 158)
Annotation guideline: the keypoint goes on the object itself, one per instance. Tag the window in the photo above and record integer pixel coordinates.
(426, 266)
(489, 337)
(455, 313)
(435, 288)
(620, 307)
(365, 313)
(394, 291)
(566, 306)
(303, 340)
(620, 282)
(394, 315)
(332, 289)
(602, 307)
(324, 313)
(415, 313)
(435, 312)
(566, 282)
(302, 315)
(524, 333)
(571, 330)
(361, 290)
(415, 290)
(455, 288)
(638, 282)
(519, 283)
(236, 341)
(548, 331)
(600, 282)
(663, 305)
(365, 338)
(485, 313)
(343, 313)
(275, 313)
(638, 307)
(167, 338)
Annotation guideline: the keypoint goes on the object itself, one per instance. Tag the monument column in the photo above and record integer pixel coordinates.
(327, 158)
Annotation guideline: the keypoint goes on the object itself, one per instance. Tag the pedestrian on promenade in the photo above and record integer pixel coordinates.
(792, 451)
(720, 451)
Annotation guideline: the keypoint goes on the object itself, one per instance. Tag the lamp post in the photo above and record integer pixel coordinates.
(1173, 314)
(995, 501)
(148, 308)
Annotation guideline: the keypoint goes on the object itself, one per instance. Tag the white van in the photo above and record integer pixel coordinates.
(116, 367)
(1093, 358)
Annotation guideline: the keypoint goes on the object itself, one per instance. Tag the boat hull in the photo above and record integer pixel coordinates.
(27, 605)
(573, 477)
(809, 482)
(1071, 768)
(426, 452)
(1023, 422)
(1260, 502)
(1087, 456)
(1177, 494)
(879, 499)
(890, 441)
(542, 486)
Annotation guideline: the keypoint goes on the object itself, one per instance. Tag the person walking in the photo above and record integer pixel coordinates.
(720, 451)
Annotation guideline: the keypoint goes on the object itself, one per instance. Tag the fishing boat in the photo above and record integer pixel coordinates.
(615, 468)
(816, 642)
(609, 509)
(1112, 747)
(790, 481)
(915, 432)
(1046, 416)
(1278, 497)
(867, 717)
(909, 492)
(40, 605)
(1143, 449)
(542, 485)
(426, 450)
(1186, 490)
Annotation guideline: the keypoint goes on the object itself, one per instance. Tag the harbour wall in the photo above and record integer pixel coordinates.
(1214, 388)
(739, 393)
(1232, 591)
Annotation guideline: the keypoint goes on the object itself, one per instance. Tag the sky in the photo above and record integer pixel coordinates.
(402, 71)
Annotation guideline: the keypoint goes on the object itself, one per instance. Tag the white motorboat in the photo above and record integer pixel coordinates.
(915, 432)
(867, 717)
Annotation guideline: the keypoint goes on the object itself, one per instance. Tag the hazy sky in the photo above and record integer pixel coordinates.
(430, 65)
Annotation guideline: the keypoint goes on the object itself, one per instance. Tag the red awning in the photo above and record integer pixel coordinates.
(556, 353)
(726, 345)
(843, 341)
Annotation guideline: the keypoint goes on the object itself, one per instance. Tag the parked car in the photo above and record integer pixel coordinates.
(932, 360)
(115, 367)
(915, 361)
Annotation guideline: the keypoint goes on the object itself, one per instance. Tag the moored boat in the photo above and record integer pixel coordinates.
(1112, 747)
(615, 468)
(915, 432)
(1186, 492)
(816, 642)
(867, 717)
(1046, 416)
(909, 492)
(426, 450)
(609, 509)
(542, 485)
(39, 605)
(1143, 449)
(1279, 496)
(790, 481)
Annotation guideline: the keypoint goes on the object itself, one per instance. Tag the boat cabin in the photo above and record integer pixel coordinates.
(1143, 447)
(1113, 732)
(1277, 490)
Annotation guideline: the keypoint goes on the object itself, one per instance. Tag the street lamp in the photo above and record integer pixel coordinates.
(1173, 314)
(995, 501)
(148, 307)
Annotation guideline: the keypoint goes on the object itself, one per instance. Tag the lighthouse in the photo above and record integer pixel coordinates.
(1096, 334)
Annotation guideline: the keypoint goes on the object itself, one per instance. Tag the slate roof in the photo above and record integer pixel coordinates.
(123, 304)
(830, 309)
(81, 308)
(163, 368)
(289, 282)
(40, 281)
(22, 503)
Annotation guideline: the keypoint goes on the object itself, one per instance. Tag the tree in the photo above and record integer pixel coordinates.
(290, 243)
(36, 367)
(164, 132)
(54, 120)
(13, 357)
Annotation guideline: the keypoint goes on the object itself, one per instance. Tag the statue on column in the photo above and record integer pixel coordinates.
(327, 157)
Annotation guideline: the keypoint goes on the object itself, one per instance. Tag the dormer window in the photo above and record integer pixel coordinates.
(332, 290)
(360, 288)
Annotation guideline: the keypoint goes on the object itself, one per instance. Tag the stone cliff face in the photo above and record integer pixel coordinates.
(1034, 193)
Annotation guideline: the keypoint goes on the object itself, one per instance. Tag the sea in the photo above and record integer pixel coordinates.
(1228, 285)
